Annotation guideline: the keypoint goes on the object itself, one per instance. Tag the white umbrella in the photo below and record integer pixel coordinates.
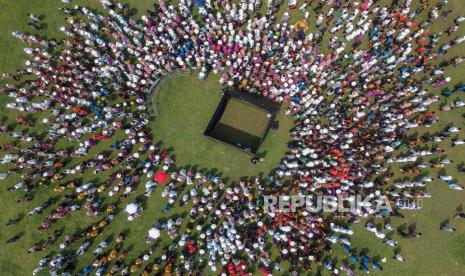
(154, 233)
(131, 208)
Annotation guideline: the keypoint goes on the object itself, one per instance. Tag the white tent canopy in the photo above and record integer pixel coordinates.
(131, 208)
(154, 233)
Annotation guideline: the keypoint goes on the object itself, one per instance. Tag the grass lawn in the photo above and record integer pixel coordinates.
(241, 124)
(245, 117)
(185, 106)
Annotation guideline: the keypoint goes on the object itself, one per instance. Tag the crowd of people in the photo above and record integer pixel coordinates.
(353, 98)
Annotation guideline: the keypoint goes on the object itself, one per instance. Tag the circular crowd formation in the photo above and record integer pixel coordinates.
(353, 98)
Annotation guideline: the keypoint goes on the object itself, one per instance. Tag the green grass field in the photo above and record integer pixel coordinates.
(245, 117)
(241, 124)
(185, 106)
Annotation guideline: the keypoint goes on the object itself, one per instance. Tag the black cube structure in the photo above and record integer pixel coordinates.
(242, 120)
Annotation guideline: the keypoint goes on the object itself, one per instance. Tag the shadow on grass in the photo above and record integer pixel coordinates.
(234, 136)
